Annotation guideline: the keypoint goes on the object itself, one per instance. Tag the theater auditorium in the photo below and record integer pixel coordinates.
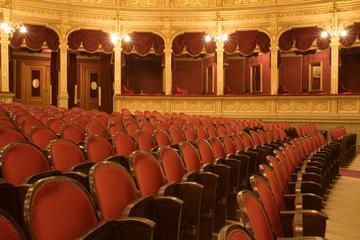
(179, 119)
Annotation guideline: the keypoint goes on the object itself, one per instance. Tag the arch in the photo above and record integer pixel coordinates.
(90, 39)
(154, 42)
(195, 50)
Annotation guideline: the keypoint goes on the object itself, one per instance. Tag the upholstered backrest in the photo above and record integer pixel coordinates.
(98, 148)
(255, 138)
(248, 143)
(115, 128)
(190, 156)
(112, 187)
(41, 136)
(234, 232)
(9, 135)
(239, 143)
(172, 164)
(56, 124)
(95, 129)
(144, 140)
(260, 186)
(212, 132)
(218, 147)
(28, 123)
(279, 172)
(58, 208)
(9, 229)
(285, 164)
(190, 134)
(21, 160)
(147, 172)
(146, 126)
(176, 135)
(254, 216)
(6, 123)
(201, 132)
(73, 133)
(124, 145)
(131, 127)
(229, 144)
(64, 154)
(205, 150)
(162, 138)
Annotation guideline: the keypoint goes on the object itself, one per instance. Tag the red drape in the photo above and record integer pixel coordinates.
(54, 72)
(193, 44)
(106, 83)
(303, 39)
(72, 66)
(143, 42)
(35, 37)
(353, 32)
(245, 42)
(90, 39)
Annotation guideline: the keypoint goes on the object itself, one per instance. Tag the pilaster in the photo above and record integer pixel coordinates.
(334, 45)
(274, 68)
(220, 67)
(63, 96)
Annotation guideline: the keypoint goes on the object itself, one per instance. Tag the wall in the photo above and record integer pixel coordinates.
(143, 76)
(349, 72)
(264, 61)
(235, 75)
(188, 74)
(294, 71)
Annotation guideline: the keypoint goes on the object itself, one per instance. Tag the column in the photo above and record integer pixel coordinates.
(4, 62)
(117, 77)
(220, 67)
(63, 96)
(274, 68)
(334, 45)
(167, 80)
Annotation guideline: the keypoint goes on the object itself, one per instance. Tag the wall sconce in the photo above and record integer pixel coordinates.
(116, 37)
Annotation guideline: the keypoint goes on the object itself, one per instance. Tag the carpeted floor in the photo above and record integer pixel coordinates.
(343, 205)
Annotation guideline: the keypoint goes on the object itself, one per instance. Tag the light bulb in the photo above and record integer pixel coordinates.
(114, 38)
(343, 33)
(207, 38)
(224, 37)
(324, 34)
(127, 38)
(23, 29)
(5, 27)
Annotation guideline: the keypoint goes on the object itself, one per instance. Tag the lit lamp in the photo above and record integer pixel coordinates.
(10, 29)
(216, 37)
(339, 32)
(116, 37)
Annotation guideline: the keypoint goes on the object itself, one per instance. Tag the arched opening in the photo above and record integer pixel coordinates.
(90, 70)
(34, 65)
(142, 64)
(349, 61)
(247, 63)
(194, 64)
(304, 61)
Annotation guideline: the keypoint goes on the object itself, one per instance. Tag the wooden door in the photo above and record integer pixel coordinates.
(35, 82)
(89, 86)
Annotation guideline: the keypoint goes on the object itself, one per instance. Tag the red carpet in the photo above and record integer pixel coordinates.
(349, 173)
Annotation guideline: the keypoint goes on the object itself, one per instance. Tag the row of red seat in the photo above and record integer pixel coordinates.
(246, 152)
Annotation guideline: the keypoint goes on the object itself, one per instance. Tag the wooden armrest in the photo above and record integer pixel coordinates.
(300, 201)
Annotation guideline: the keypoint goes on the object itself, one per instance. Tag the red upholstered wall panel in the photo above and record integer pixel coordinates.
(235, 75)
(145, 76)
(349, 72)
(188, 74)
(290, 74)
(294, 71)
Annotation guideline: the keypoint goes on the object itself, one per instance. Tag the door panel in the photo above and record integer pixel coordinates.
(89, 85)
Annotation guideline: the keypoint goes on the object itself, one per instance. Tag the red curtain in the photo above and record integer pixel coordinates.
(71, 80)
(303, 38)
(106, 83)
(193, 44)
(143, 42)
(90, 39)
(35, 37)
(353, 32)
(246, 41)
(54, 72)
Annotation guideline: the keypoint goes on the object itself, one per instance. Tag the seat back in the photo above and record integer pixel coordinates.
(176, 135)
(162, 138)
(212, 132)
(9, 229)
(144, 140)
(41, 136)
(228, 144)
(112, 187)
(28, 123)
(147, 172)
(239, 143)
(21, 160)
(218, 147)
(205, 150)
(254, 216)
(58, 208)
(201, 132)
(261, 188)
(73, 133)
(172, 164)
(234, 232)
(64, 154)
(123, 144)
(190, 134)
(6, 123)
(56, 124)
(247, 140)
(190, 156)
(95, 129)
(9, 135)
(131, 127)
(279, 173)
(98, 148)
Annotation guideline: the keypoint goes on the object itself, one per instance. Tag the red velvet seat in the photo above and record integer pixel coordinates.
(162, 138)
(28, 123)
(189, 134)
(59, 208)
(95, 129)
(7, 123)
(131, 128)
(123, 144)
(144, 140)
(21, 160)
(114, 128)
(73, 133)
(98, 148)
(9, 135)
(172, 164)
(41, 136)
(112, 188)
(9, 229)
(176, 135)
(234, 232)
(65, 154)
(56, 124)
